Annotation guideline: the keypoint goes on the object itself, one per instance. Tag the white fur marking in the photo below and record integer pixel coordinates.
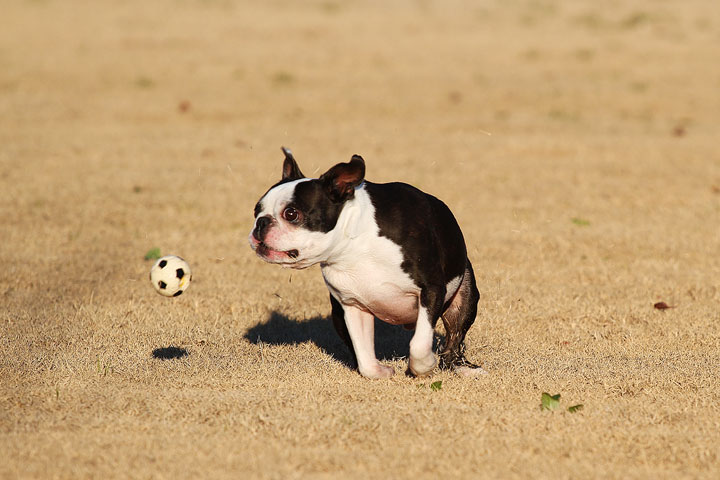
(452, 287)
(368, 272)
(422, 359)
(361, 327)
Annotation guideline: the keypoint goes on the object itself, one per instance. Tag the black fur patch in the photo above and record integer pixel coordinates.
(319, 212)
(430, 238)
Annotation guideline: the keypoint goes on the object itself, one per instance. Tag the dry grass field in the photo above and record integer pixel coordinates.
(576, 143)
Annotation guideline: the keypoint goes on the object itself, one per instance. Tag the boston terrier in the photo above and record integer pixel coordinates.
(385, 250)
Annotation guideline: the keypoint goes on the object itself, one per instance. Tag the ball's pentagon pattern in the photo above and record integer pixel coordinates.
(170, 275)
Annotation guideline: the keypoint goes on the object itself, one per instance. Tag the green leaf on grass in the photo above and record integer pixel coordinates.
(153, 254)
(549, 402)
(283, 78)
(576, 408)
(144, 82)
(435, 386)
(580, 221)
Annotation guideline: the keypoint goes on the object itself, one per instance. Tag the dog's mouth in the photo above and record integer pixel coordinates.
(263, 250)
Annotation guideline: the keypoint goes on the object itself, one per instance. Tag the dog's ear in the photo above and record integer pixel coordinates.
(340, 181)
(290, 170)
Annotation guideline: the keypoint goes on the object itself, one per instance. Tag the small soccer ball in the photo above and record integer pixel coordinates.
(171, 276)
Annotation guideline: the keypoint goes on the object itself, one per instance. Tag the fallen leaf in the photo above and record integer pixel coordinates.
(455, 97)
(663, 306)
(549, 402)
(678, 131)
(153, 254)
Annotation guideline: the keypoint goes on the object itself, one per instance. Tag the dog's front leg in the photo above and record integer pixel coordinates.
(361, 327)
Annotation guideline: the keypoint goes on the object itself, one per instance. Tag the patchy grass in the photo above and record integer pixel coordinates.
(283, 78)
(144, 82)
(243, 375)
(580, 222)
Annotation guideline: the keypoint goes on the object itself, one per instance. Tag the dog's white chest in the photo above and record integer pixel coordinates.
(369, 276)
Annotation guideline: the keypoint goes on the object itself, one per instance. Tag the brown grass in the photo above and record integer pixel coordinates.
(129, 125)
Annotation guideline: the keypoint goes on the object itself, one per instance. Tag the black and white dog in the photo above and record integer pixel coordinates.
(385, 250)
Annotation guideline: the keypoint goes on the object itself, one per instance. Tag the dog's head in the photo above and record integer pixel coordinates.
(295, 218)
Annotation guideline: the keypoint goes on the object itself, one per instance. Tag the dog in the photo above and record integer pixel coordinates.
(386, 250)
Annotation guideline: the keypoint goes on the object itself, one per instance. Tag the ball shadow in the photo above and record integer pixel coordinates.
(391, 341)
(169, 353)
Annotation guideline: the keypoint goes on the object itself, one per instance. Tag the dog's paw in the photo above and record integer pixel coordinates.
(471, 372)
(421, 367)
(377, 371)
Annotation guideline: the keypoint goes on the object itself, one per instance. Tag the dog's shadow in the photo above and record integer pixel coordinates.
(391, 341)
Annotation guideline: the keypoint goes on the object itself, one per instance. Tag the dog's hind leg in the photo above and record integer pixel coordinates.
(457, 319)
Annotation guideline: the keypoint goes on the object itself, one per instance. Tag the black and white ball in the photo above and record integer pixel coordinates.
(171, 276)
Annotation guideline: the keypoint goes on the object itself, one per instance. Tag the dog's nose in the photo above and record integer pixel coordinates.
(261, 225)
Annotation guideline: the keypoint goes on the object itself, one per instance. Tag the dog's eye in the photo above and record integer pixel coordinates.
(291, 215)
